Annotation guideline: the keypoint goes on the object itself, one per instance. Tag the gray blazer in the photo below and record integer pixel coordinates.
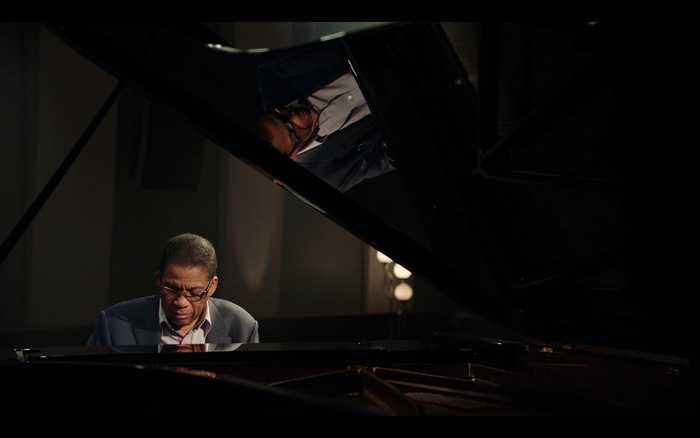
(135, 322)
(349, 156)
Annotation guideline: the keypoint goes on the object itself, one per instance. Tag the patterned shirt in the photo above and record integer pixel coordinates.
(340, 104)
(169, 335)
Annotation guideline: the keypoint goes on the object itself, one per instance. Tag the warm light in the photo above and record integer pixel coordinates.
(403, 292)
(382, 258)
(221, 48)
(401, 272)
(332, 36)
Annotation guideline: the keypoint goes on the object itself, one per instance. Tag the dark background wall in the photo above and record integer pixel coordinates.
(59, 272)
(145, 176)
(17, 50)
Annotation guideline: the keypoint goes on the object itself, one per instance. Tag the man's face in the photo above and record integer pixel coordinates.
(180, 311)
(279, 136)
(290, 130)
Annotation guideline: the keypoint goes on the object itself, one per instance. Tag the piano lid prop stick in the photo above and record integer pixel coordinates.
(26, 220)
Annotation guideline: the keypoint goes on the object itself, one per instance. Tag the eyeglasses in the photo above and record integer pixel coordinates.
(191, 295)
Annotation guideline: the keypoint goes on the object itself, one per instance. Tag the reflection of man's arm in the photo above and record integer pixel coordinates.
(224, 347)
(200, 373)
(100, 335)
(254, 338)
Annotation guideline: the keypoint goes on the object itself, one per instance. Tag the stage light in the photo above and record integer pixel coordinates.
(401, 272)
(383, 258)
(403, 292)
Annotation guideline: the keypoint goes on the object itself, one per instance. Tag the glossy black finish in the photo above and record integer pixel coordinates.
(454, 377)
(97, 391)
(177, 68)
(465, 200)
(326, 354)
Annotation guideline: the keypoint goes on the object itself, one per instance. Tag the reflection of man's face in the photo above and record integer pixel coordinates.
(277, 134)
(290, 129)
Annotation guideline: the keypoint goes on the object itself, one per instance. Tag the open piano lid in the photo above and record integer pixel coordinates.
(455, 236)
(500, 249)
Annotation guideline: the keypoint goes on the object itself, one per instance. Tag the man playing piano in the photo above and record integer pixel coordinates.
(183, 311)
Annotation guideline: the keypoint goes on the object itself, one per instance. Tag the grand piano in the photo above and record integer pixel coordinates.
(512, 216)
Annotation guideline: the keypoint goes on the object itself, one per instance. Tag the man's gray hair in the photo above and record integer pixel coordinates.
(189, 250)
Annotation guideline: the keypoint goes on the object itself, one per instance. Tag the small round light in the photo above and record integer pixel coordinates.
(403, 292)
(383, 258)
(401, 272)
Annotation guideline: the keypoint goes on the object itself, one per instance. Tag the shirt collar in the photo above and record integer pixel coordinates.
(162, 319)
(310, 146)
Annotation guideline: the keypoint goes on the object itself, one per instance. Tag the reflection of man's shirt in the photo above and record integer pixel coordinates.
(197, 348)
(169, 335)
(341, 104)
